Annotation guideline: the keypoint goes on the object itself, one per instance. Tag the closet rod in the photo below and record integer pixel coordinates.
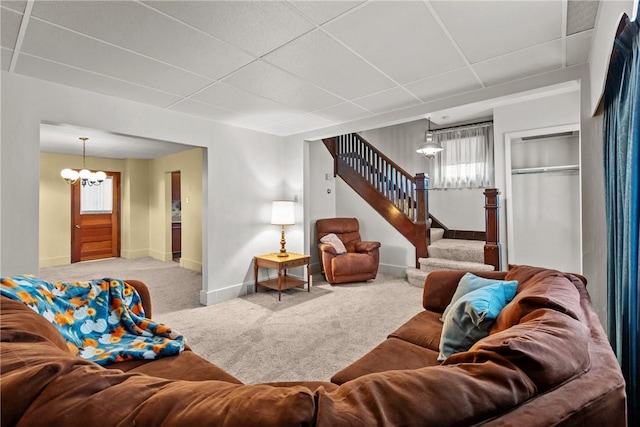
(544, 169)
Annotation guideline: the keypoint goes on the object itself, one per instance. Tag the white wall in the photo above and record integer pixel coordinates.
(244, 172)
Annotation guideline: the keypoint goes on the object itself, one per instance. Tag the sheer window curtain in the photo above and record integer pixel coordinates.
(622, 190)
(467, 158)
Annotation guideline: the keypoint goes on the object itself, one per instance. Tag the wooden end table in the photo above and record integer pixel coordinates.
(281, 264)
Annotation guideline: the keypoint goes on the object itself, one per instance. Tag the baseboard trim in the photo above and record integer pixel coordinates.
(54, 262)
(138, 253)
(161, 256)
(216, 296)
(393, 270)
(191, 265)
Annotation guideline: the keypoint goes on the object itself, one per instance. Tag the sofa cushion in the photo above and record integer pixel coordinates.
(19, 323)
(390, 354)
(460, 395)
(538, 288)
(468, 283)
(423, 329)
(334, 241)
(472, 315)
(439, 287)
(548, 346)
(44, 385)
(185, 366)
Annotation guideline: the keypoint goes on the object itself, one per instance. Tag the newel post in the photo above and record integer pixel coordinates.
(492, 226)
(422, 231)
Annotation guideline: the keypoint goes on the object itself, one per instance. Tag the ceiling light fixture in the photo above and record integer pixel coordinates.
(85, 176)
(429, 148)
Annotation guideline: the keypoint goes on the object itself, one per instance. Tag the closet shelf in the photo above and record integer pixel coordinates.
(543, 169)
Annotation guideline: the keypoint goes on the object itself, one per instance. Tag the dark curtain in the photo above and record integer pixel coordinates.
(622, 188)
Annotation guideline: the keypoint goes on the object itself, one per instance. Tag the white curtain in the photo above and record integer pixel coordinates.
(467, 158)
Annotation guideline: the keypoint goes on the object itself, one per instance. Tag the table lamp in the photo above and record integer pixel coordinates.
(282, 213)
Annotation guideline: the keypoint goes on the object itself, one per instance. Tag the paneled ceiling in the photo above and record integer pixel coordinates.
(284, 67)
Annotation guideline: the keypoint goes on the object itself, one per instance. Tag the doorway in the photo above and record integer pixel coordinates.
(176, 217)
(95, 220)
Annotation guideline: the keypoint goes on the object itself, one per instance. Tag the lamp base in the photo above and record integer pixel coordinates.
(283, 251)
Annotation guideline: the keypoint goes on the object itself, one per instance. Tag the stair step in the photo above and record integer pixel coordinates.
(436, 234)
(457, 250)
(433, 264)
(416, 277)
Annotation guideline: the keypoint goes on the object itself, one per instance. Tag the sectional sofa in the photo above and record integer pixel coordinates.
(546, 361)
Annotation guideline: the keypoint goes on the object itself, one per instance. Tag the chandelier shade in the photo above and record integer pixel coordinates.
(84, 176)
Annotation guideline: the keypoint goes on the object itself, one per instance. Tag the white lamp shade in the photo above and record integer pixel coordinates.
(100, 176)
(69, 174)
(85, 174)
(282, 212)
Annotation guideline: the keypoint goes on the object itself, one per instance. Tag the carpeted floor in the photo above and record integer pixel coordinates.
(306, 336)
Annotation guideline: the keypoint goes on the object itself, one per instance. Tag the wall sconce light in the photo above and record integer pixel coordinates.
(282, 213)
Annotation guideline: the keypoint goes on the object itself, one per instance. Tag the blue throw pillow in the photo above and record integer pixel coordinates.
(472, 315)
(468, 283)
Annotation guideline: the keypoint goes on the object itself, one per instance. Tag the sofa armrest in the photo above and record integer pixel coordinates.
(365, 247)
(439, 286)
(326, 247)
(145, 296)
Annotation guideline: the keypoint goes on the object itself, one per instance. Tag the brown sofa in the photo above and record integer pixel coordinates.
(546, 362)
(358, 264)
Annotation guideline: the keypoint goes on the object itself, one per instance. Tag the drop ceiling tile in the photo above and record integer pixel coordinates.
(16, 5)
(51, 71)
(581, 15)
(9, 28)
(578, 46)
(277, 129)
(343, 113)
(401, 38)
(163, 38)
(269, 82)
(256, 26)
(5, 59)
(484, 29)
(234, 99)
(318, 58)
(54, 43)
(388, 100)
(445, 84)
(217, 114)
(306, 122)
(323, 11)
(524, 63)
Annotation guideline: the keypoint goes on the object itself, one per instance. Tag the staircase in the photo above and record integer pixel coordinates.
(402, 200)
(449, 254)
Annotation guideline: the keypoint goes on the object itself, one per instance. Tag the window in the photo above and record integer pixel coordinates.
(97, 199)
(467, 158)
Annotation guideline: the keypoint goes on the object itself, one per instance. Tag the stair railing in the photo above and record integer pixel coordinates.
(400, 198)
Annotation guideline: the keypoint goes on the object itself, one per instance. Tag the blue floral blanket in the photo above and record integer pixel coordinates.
(102, 320)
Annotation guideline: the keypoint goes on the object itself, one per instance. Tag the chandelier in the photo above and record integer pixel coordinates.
(85, 176)
(429, 148)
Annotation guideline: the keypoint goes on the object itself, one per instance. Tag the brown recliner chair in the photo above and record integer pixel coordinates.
(359, 263)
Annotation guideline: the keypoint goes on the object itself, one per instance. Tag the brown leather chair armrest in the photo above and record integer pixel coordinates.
(145, 296)
(367, 246)
(326, 247)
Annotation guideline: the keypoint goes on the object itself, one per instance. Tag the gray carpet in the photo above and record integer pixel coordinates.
(306, 336)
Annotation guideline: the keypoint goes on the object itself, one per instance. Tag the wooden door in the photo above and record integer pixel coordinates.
(95, 220)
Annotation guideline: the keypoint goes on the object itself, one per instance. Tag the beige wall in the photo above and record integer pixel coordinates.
(189, 164)
(145, 218)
